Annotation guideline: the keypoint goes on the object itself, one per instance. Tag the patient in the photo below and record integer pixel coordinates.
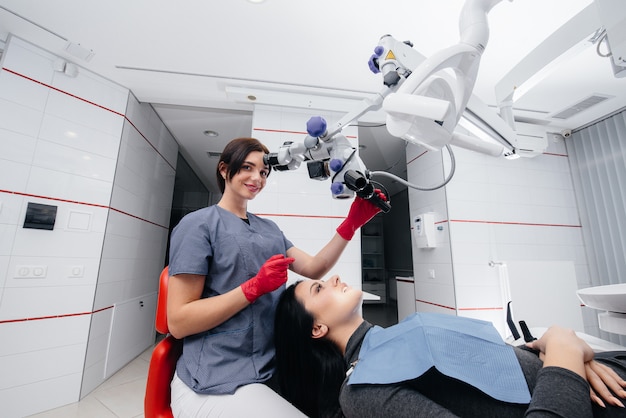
(333, 363)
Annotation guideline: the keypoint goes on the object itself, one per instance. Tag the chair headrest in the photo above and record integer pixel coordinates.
(161, 311)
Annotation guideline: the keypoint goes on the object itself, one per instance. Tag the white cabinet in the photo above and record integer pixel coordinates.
(406, 296)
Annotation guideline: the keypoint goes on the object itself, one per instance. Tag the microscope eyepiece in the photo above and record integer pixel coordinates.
(355, 180)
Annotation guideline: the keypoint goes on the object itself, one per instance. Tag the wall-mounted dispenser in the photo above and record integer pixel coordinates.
(424, 230)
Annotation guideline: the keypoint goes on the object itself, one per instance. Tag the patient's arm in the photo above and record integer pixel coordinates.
(561, 385)
(561, 347)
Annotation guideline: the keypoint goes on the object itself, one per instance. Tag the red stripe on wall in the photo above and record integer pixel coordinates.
(137, 217)
(40, 318)
(512, 223)
(281, 131)
(149, 143)
(423, 153)
(476, 221)
(434, 304)
(61, 91)
(459, 309)
(481, 309)
(291, 215)
(56, 199)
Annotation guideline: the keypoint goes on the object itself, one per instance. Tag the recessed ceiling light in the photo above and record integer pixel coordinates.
(210, 133)
(256, 1)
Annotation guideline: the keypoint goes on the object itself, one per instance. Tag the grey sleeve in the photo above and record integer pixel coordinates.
(396, 401)
(560, 393)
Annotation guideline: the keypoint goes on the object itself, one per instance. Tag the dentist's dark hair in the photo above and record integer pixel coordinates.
(310, 370)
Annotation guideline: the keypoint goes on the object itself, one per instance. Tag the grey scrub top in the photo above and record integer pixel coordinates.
(215, 243)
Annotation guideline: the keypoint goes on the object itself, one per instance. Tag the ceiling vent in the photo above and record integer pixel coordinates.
(212, 154)
(580, 106)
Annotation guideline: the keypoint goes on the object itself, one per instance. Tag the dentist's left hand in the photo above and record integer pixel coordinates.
(271, 276)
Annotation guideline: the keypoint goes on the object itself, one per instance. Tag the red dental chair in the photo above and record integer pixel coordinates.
(163, 360)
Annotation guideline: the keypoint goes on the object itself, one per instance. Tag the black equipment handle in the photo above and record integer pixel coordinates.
(510, 322)
(528, 337)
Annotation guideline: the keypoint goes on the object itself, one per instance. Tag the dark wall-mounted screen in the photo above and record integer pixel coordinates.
(40, 216)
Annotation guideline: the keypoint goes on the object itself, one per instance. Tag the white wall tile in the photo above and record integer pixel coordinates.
(434, 294)
(495, 316)
(23, 91)
(58, 185)
(13, 176)
(61, 158)
(99, 329)
(4, 262)
(10, 208)
(28, 60)
(18, 401)
(268, 204)
(148, 123)
(304, 228)
(116, 246)
(43, 335)
(75, 135)
(92, 88)
(442, 272)
(478, 297)
(61, 242)
(83, 113)
(471, 232)
(19, 118)
(60, 271)
(143, 180)
(16, 147)
(108, 293)
(41, 301)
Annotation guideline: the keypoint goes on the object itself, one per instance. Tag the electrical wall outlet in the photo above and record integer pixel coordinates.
(30, 271)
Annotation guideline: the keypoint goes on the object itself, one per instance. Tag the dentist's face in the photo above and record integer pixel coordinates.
(330, 302)
(251, 177)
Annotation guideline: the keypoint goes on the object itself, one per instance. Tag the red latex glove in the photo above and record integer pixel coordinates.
(361, 211)
(270, 277)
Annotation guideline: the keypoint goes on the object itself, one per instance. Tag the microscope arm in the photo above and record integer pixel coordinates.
(424, 99)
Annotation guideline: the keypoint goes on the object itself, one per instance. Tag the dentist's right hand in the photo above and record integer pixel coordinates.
(271, 276)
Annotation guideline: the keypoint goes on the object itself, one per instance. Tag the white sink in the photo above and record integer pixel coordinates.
(611, 298)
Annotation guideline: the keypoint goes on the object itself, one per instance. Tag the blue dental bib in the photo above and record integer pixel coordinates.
(466, 349)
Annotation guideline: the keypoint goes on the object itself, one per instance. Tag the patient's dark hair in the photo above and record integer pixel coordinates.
(310, 370)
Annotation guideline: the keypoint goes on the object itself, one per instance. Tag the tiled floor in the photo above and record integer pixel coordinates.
(121, 396)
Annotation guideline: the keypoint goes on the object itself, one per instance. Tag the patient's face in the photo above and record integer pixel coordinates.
(331, 301)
